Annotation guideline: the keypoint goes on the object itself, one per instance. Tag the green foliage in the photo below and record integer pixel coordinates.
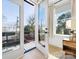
(61, 23)
(30, 26)
(26, 29)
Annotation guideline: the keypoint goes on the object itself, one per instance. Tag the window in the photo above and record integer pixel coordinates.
(10, 27)
(63, 25)
(29, 27)
(41, 22)
(63, 18)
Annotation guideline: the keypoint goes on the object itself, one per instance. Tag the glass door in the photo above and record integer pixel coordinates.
(42, 39)
(10, 22)
(12, 33)
(29, 27)
(41, 23)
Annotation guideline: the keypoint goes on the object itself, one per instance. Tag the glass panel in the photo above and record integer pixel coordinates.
(29, 26)
(63, 19)
(10, 26)
(41, 23)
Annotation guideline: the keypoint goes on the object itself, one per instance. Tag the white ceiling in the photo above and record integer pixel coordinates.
(62, 2)
(53, 1)
(61, 6)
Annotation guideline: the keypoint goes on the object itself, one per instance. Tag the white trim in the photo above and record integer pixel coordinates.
(46, 35)
(21, 16)
(18, 2)
(73, 8)
(55, 39)
(66, 36)
(36, 24)
(44, 50)
(55, 21)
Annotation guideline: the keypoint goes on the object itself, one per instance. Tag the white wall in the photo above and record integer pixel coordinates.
(57, 40)
(54, 39)
(73, 22)
(12, 55)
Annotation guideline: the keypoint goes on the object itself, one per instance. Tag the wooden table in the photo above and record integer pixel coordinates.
(69, 47)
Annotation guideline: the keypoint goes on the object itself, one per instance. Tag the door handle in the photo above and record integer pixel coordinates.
(46, 30)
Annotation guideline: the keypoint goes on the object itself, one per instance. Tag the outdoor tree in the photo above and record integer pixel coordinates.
(29, 28)
(31, 22)
(26, 29)
(61, 23)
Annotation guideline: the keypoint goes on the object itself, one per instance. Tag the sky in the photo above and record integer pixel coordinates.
(41, 14)
(28, 11)
(10, 12)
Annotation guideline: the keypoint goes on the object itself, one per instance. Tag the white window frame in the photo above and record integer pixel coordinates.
(19, 52)
(44, 50)
(61, 34)
(55, 22)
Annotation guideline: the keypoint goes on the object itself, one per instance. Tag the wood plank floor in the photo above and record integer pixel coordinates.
(36, 54)
(33, 54)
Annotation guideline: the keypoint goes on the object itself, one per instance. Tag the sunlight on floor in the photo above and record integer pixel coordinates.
(34, 54)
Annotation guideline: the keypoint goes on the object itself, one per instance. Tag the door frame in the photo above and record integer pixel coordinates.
(44, 50)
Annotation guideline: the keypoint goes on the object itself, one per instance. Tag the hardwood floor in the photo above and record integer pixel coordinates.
(70, 57)
(33, 54)
(36, 54)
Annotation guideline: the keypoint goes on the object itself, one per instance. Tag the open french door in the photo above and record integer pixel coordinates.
(41, 29)
(14, 7)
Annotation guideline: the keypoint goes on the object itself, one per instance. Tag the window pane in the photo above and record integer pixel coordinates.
(41, 22)
(29, 27)
(63, 20)
(10, 26)
(63, 23)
